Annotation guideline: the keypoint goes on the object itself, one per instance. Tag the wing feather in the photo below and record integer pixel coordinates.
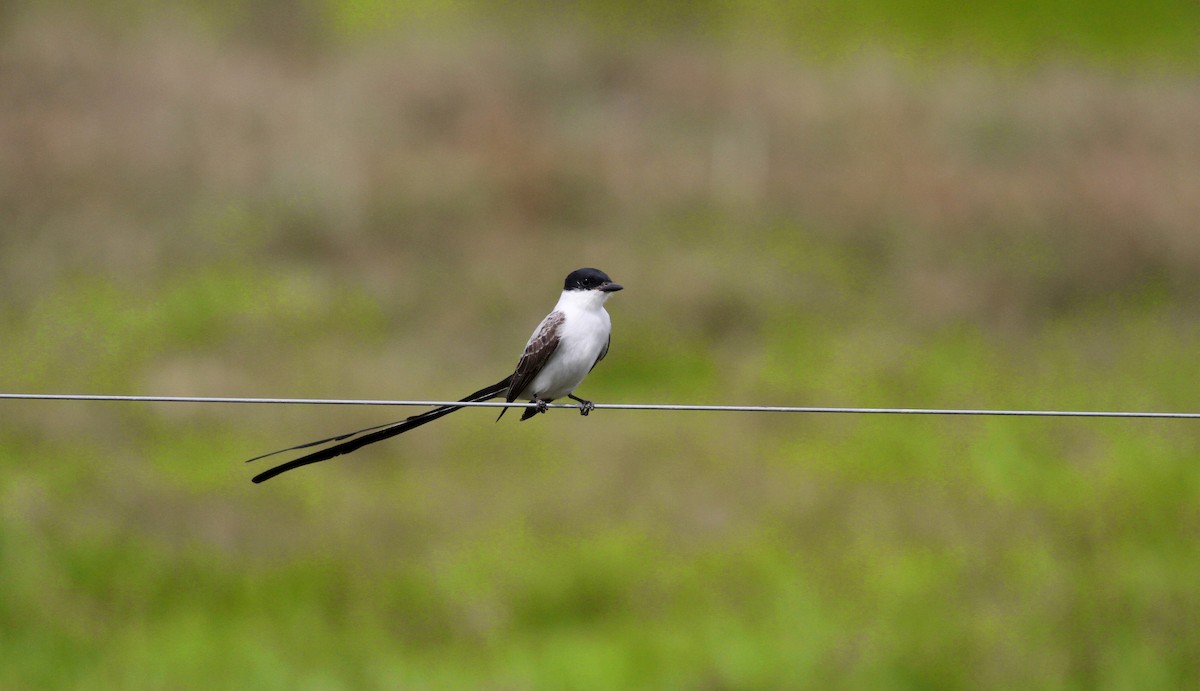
(541, 346)
(602, 353)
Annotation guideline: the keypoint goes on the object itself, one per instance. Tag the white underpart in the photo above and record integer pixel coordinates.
(582, 337)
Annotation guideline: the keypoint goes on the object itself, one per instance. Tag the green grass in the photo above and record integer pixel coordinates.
(1020, 32)
(195, 208)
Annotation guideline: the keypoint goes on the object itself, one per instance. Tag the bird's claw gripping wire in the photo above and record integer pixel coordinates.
(585, 407)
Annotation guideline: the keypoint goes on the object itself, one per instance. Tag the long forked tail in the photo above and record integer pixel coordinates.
(370, 435)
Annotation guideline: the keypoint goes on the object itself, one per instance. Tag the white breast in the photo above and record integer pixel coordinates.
(582, 338)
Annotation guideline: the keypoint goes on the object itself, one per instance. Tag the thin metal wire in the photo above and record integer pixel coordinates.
(610, 406)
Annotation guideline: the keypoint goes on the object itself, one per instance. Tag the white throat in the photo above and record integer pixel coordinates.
(581, 301)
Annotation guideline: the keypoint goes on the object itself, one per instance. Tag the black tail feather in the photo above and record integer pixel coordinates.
(318, 442)
(377, 433)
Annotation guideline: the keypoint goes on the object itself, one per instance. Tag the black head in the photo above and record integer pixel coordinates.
(590, 279)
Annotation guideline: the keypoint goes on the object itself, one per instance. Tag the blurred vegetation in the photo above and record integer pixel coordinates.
(861, 203)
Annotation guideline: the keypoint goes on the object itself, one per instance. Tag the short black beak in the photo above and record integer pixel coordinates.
(611, 287)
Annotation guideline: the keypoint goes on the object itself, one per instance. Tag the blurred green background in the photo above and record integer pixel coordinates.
(865, 203)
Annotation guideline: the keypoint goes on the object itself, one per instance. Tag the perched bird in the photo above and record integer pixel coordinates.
(560, 353)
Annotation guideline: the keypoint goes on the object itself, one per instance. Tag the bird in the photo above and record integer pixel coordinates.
(563, 349)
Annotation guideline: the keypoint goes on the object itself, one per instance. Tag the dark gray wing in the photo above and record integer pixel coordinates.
(602, 353)
(537, 352)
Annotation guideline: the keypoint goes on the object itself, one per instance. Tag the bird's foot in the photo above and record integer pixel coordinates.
(540, 405)
(585, 407)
